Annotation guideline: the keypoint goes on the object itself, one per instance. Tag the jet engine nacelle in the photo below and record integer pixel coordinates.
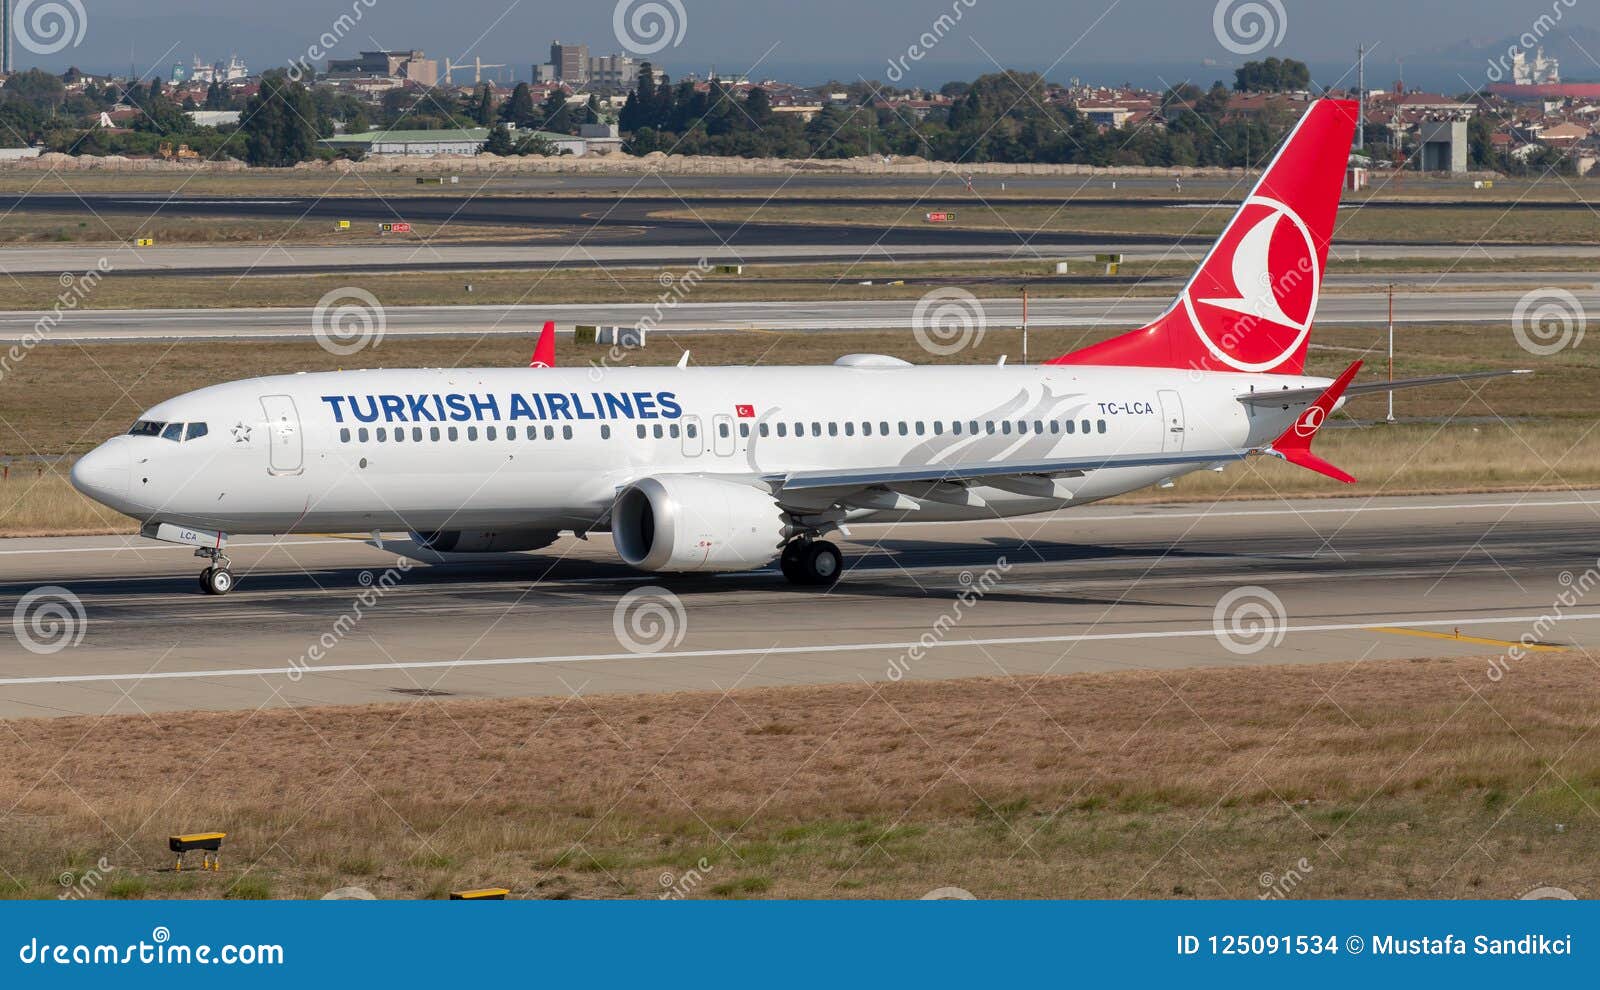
(696, 524)
(485, 540)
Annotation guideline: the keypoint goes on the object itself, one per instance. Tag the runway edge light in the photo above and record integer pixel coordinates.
(207, 842)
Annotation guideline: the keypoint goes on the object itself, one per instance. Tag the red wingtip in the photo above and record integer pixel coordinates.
(544, 352)
(1294, 445)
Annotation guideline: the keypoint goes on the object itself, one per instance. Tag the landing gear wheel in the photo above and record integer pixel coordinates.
(790, 562)
(216, 580)
(820, 564)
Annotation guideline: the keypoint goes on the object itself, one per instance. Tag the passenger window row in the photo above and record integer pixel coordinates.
(456, 434)
(673, 431)
(938, 428)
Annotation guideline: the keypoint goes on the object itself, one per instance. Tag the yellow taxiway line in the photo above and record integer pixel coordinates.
(1456, 637)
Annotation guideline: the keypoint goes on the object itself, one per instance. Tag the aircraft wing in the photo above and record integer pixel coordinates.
(1296, 396)
(795, 481)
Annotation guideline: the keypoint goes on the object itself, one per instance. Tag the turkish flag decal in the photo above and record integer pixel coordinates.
(745, 412)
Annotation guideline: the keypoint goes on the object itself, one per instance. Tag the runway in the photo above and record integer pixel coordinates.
(622, 249)
(83, 326)
(1102, 588)
(581, 231)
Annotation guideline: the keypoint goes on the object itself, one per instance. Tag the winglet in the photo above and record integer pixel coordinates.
(1294, 445)
(544, 352)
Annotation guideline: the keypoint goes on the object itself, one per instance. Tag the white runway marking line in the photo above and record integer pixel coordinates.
(767, 651)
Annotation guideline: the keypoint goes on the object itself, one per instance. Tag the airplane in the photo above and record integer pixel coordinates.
(726, 468)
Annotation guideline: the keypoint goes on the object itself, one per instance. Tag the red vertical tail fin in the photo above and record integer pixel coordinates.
(1251, 304)
(544, 352)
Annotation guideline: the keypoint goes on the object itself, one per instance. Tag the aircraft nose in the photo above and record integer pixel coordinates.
(104, 473)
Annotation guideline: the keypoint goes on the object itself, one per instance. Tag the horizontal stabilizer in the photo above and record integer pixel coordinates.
(1294, 396)
(1294, 445)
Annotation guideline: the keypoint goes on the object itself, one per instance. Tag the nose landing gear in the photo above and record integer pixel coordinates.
(216, 579)
(812, 562)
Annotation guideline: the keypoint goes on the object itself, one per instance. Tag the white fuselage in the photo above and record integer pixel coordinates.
(319, 452)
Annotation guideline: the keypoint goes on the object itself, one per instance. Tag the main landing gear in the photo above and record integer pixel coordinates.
(216, 579)
(812, 562)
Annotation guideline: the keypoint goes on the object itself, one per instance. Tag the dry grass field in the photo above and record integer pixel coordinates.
(836, 282)
(22, 229)
(537, 285)
(1396, 779)
(248, 183)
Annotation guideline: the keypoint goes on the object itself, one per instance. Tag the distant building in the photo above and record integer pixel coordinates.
(1444, 145)
(204, 72)
(573, 65)
(598, 139)
(1563, 135)
(1106, 116)
(468, 141)
(422, 144)
(213, 118)
(571, 62)
(617, 71)
(405, 65)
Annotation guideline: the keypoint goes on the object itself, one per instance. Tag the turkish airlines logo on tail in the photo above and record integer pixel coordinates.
(1253, 302)
(1310, 422)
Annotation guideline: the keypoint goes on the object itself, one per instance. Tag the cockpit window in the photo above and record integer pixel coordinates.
(147, 428)
(195, 431)
(174, 431)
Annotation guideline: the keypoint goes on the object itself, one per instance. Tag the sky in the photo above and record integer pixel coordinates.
(1148, 42)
